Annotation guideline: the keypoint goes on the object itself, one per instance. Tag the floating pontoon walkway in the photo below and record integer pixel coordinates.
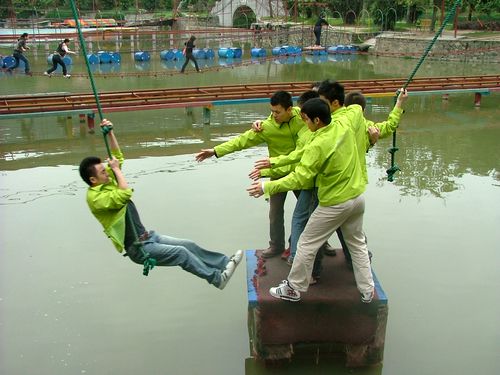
(137, 100)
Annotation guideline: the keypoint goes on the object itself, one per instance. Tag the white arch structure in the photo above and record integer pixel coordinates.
(225, 9)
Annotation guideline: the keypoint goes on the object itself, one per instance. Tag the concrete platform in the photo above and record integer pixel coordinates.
(330, 319)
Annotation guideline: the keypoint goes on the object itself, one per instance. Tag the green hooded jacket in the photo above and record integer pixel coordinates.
(330, 162)
(108, 203)
(284, 164)
(281, 139)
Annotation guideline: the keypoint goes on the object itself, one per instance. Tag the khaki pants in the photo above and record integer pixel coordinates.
(321, 225)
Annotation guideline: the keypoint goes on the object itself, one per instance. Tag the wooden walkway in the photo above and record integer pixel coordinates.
(137, 100)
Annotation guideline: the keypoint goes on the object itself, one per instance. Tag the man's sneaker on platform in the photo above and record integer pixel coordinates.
(67, 76)
(271, 252)
(47, 74)
(285, 291)
(367, 297)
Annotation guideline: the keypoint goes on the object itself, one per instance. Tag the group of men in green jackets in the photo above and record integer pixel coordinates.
(317, 150)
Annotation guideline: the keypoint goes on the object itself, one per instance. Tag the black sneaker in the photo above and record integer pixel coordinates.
(271, 252)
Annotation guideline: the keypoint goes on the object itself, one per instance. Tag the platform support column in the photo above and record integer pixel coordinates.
(206, 115)
(189, 111)
(91, 122)
(69, 126)
(477, 99)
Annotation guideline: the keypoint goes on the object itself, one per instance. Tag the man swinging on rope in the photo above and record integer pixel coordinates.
(109, 200)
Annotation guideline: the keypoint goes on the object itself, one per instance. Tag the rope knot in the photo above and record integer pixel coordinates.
(149, 264)
(106, 129)
(391, 172)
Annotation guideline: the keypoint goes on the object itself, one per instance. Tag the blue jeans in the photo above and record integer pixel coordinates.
(300, 217)
(19, 56)
(171, 251)
(306, 203)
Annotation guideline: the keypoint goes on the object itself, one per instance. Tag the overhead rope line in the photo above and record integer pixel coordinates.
(149, 263)
(392, 150)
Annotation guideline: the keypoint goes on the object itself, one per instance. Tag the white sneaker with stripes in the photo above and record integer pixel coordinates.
(285, 291)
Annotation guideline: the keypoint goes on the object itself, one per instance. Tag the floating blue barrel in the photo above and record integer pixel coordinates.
(142, 56)
(294, 50)
(279, 51)
(290, 50)
(226, 53)
(351, 48)
(167, 55)
(92, 58)
(116, 58)
(199, 54)
(341, 48)
(338, 49)
(104, 57)
(209, 53)
(258, 52)
(9, 61)
(237, 52)
(67, 60)
(178, 55)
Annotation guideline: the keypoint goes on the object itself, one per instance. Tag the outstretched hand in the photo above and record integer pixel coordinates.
(262, 163)
(205, 154)
(255, 190)
(255, 174)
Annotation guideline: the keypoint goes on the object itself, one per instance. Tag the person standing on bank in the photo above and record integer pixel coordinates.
(21, 47)
(317, 29)
(58, 58)
(188, 52)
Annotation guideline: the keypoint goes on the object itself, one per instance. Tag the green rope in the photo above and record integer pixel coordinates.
(149, 263)
(392, 150)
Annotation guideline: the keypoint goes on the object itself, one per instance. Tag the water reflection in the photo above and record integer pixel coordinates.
(433, 154)
(312, 365)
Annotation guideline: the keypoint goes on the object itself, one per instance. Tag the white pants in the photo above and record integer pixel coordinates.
(321, 225)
